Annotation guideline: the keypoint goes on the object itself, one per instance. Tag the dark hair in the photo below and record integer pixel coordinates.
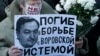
(23, 20)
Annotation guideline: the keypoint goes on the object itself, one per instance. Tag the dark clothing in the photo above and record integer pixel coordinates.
(9, 1)
(52, 3)
(93, 35)
(97, 3)
(3, 4)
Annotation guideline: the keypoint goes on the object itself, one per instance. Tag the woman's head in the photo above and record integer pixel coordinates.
(30, 6)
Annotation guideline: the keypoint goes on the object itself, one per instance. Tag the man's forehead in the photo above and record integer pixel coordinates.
(30, 25)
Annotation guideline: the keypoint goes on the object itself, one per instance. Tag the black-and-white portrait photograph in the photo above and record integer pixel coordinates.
(27, 31)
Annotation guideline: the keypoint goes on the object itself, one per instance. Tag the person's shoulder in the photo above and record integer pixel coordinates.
(5, 23)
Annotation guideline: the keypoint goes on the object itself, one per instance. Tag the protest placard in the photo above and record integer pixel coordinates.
(45, 35)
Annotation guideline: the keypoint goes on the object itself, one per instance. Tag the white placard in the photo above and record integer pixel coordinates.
(56, 35)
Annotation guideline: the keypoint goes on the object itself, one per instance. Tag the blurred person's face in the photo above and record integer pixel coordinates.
(28, 34)
(32, 7)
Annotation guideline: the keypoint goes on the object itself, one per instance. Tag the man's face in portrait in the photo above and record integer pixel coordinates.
(28, 34)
